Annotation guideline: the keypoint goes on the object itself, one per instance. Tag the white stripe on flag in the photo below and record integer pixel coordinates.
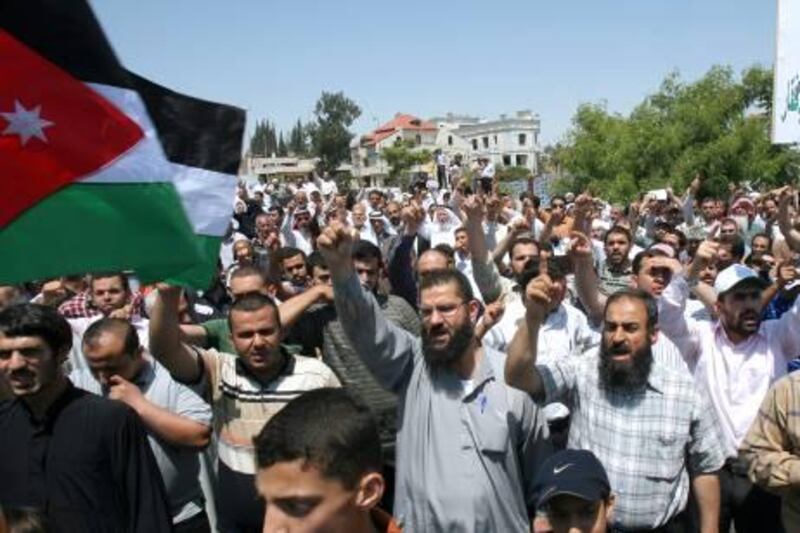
(207, 196)
(144, 162)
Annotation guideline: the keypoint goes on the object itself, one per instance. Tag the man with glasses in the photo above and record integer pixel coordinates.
(468, 445)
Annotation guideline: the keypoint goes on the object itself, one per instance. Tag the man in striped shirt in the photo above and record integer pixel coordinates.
(247, 389)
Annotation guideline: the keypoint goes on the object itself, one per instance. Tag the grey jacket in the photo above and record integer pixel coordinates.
(467, 451)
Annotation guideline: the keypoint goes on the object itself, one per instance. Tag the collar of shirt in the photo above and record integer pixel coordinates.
(483, 374)
(145, 377)
(68, 395)
(286, 370)
(656, 378)
(722, 336)
(625, 268)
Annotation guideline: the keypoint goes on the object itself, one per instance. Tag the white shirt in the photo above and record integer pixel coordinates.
(488, 171)
(565, 332)
(441, 233)
(736, 376)
(464, 265)
(77, 361)
(226, 249)
(494, 233)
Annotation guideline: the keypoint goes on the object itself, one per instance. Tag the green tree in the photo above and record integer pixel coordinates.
(512, 173)
(282, 149)
(402, 157)
(718, 125)
(298, 140)
(264, 141)
(329, 133)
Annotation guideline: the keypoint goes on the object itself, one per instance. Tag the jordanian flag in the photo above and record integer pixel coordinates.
(101, 169)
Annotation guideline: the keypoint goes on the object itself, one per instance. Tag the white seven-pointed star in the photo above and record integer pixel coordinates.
(26, 123)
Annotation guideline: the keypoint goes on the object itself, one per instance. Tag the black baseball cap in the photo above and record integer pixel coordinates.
(573, 472)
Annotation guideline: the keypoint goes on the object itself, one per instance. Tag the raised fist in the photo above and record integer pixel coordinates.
(335, 243)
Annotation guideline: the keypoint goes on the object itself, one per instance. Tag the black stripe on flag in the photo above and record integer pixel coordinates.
(194, 132)
(67, 34)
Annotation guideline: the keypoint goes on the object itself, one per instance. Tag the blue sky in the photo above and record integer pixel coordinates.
(427, 58)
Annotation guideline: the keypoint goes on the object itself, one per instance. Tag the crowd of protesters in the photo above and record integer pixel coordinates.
(441, 358)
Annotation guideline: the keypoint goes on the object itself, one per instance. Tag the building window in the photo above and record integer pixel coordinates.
(475, 144)
(486, 142)
(506, 160)
(522, 139)
(522, 160)
(366, 162)
(418, 139)
(449, 140)
(495, 140)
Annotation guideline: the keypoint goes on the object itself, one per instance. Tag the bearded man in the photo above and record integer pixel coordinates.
(645, 420)
(468, 446)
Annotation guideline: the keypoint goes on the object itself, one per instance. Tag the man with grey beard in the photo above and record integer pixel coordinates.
(468, 445)
(647, 422)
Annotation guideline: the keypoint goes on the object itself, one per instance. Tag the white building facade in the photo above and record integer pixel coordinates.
(507, 141)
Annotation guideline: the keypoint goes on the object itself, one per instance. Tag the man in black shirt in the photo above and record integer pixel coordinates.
(84, 461)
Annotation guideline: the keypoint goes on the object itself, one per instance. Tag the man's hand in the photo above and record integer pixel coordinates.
(786, 273)
(670, 263)
(694, 186)
(125, 391)
(474, 209)
(706, 252)
(123, 313)
(324, 293)
(493, 313)
(580, 246)
(53, 292)
(518, 226)
(583, 205)
(537, 296)
(335, 243)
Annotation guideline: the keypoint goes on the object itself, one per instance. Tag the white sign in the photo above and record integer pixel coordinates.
(786, 99)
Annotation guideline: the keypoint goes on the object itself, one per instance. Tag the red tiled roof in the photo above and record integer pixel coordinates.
(400, 121)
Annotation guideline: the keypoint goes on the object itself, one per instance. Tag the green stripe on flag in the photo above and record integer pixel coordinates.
(202, 273)
(101, 227)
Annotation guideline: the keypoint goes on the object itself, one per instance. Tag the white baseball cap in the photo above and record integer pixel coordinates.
(733, 275)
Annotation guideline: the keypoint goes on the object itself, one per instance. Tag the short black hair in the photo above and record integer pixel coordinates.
(445, 276)
(253, 301)
(762, 235)
(102, 275)
(316, 260)
(534, 267)
(619, 230)
(35, 320)
(735, 243)
(287, 252)
(645, 254)
(116, 326)
(637, 294)
(326, 428)
(446, 249)
(246, 271)
(365, 251)
(523, 239)
(682, 240)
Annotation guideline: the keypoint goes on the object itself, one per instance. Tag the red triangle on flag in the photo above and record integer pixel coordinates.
(54, 130)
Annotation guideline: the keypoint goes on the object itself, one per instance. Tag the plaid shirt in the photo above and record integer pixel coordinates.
(80, 306)
(648, 441)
